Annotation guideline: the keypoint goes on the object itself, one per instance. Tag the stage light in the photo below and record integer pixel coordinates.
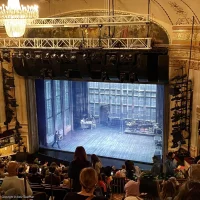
(53, 55)
(47, 56)
(113, 60)
(28, 55)
(73, 58)
(38, 56)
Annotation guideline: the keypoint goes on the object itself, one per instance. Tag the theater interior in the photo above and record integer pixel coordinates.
(118, 77)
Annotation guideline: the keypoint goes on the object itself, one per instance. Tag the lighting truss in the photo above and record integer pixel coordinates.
(75, 43)
(92, 21)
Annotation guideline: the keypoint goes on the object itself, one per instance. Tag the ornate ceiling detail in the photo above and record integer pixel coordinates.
(179, 10)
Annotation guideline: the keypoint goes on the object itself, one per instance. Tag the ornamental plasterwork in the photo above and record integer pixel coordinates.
(185, 36)
(178, 9)
(175, 63)
(184, 53)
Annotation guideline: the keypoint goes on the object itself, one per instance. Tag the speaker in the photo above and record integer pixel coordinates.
(142, 68)
(163, 68)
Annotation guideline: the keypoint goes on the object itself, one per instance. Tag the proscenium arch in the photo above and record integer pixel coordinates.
(96, 12)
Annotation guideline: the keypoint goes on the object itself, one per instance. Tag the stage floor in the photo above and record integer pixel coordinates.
(110, 142)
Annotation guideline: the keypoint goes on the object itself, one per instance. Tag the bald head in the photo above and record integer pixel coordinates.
(12, 168)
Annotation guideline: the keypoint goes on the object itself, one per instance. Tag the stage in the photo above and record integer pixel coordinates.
(110, 142)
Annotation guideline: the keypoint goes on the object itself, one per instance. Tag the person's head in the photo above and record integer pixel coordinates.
(80, 154)
(88, 179)
(171, 155)
(123, 166)
(129, 165)
(94, 158)
(168, 190)
(21, 170)
(155, 159)
(174, 181)
(194, 193)
(12, 168)
(34, 169)
(190, 191)
(52, 169)
(53, 164)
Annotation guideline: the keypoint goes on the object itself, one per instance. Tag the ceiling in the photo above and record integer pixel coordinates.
(164, 12)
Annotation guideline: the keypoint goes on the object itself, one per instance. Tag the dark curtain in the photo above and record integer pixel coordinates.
(40, 100)
(159, 105)
(80, 102)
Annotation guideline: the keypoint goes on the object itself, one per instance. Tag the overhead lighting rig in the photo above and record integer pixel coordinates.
(96, 65)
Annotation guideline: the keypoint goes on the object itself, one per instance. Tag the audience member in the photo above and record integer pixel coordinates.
(12, 181)
(132, 188)
(34, 177)
(88, 181)
(80, 161)
(121, 172)
(102, 184)
(52, 178)
(36, 161)
(168, 191)
(96, 163)
(132, 170)
(170, 166)
(2, 170)
(189, 191)
(156, 169)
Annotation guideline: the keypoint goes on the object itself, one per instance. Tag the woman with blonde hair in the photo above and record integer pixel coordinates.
(80, 162)
(88, 181)
(96, 163)
(168, 191)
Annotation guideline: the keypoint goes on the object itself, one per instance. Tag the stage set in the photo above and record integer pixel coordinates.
(113, 120)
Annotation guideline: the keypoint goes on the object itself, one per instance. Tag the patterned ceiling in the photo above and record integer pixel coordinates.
(164, 12)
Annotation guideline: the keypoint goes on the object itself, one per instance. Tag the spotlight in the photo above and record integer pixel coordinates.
(38, 55)
(27, 55)
(113, 60)
(73, 58)
(53, 55)
(47, 56)
(100, 25)
(84, 56)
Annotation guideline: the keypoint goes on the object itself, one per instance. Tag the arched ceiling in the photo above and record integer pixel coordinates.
(165, 12)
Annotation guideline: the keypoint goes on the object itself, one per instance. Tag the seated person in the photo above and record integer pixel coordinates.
(2, 170)
(168, 191)
(52, 178)
(102, 184)
(121, 172)
(132, 170)
(88, 181)
(12, 181)
(132, 189)
(34, 177)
